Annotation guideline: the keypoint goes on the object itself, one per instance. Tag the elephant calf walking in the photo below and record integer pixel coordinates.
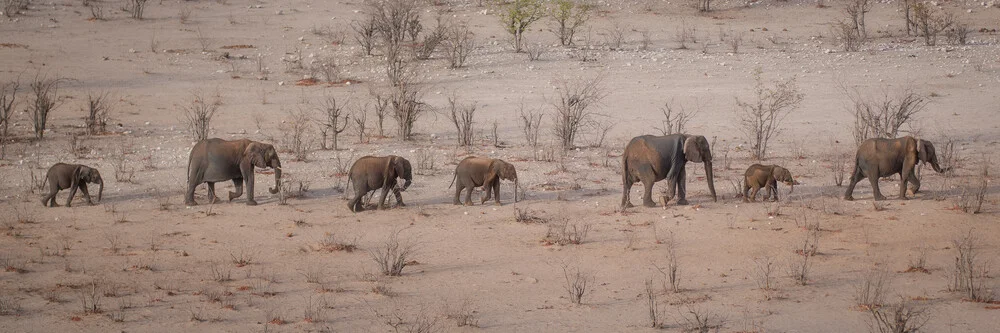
(474, 172)
(71, 176)
(878, 158)
(766, 176)
(371, 173)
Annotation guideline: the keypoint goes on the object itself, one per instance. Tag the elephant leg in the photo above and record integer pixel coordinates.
(381, 198)
(211, 193)
(904, 178)
(248, 183)
(875, 190)
(626, 191)
(189, 195)
(72, 192)
(753, 194)
(856, 177)
(647, 190)
(682, 188)
(772, 192)
(496, 192)
(50, 199)
(399, 197)
(458, 193)
(746, 191)
(238, 183)
(468, 195)
(356, 204)
(86, 194)
(916, 183)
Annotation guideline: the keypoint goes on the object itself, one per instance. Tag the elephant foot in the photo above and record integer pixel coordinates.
(682, 202)
(849, 198)
(746, 200)
(879, 197)
(498, 204)
(233, 195)
(468, 203)
(400, 204)
(457, 203)
(251, 202)
(649, 203)
(190, 203)
(629, 205)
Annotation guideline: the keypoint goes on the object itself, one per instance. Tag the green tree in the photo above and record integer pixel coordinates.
(517, 15)
(569, 16)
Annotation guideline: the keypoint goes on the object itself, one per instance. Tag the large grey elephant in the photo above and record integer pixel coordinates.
(217, 160)
(878, 158)
(650, 159)
(71, 176)
(371, 173)
(473, 172)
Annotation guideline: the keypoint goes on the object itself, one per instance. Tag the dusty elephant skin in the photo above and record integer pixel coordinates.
(878, 158)
(474, 172)
(650, 159)
(71, 176)
(371, 173)
(766, 176)
(217, 160)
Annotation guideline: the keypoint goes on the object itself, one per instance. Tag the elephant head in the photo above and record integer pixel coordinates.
(90, 175)
(504, 170)
(399, 167)
(696, 150)
(263, 155)
(926, 154)
(783, 175)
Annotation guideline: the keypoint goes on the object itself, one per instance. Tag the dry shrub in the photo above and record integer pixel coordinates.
(569, 17)
(902, 317)
(970, 273)
(761, 119)
(574, 108)
(675, 121)
(615, 36)
(974, 193)
(930, 22)
(407, 106)
(90, 297)
(9, 306)
(381, 108)
(98, 109)
(763, 273)
(462, 117)
(577, 283)
(840, 163)
(199, 115)
(45, 92)
(425, 161)
(365, 34)
(432, 40)
(334, 121)
(332, 243)
(8, 94)
(295, 134)
(871, 289)
(799, 267)
(882, 116)
(700, 320)
(959, 35)
(136, 8)
(393, 255)
(856, 10)
(560, 232)
(458, 45)
(655, 313)
(120, 161)
(526, 216)
(463, 316)
(534, 51)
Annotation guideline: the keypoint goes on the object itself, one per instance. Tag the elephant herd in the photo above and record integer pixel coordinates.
(647, 159)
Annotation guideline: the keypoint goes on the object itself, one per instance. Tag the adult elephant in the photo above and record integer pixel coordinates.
(371, 173)
(650, 159)
(217, 160)
(473, 172)
(883, 157)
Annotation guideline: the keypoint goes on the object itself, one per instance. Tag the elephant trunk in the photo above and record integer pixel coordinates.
(406, 184)
(515, 189)
(938, 168)
(277, 181)
(791, 187)
(100, 192)
(709, 175)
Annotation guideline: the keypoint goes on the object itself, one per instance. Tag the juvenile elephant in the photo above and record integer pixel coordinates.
(883, 157)
(370, 173)
(218, 160)
(766, 176)
(650, 159)
(71, 176)
(474, 171)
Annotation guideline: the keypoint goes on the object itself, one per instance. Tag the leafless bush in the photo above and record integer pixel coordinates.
(840, 163)
(361, 124)
(969, 275)
(675, 121)
(763, 273)
(517, 16)
(615, 36)
(569, 16)
(98, 109)
(136, 8)
(871, 289)
(381, 108)
(601, 128)
(332, 243)
(856, 10)
(392, 20)
(244, 255)
(9, 306)
(735, 40)
(974, 194)
(407, 107)
(365, 34)
(206, 44)
(531, 121)
(219, 273)
(462, 117)
(799, 267)
(295, 132)
(646, 40)
(958, 35)
(655, 313)
(463, 315)
(683, 35)
(883, 116)
(432, 40)
(46, 98)
(12, 7)
(760, 119)
(184, 14)
(699, 320)
(458, 45)
(672, 274)
(420, 322)
(949, 156)
(577, 283)
(573, 109)
(704, 5)
(199, 115)
(90, 296)
(8, 94)
(901, 317)
(97, 11)
(845, 32)
(534, 51)
(120, 161)
(312, 312)
(930, 22)
(393, 256)
(526, 216)
(334, 122)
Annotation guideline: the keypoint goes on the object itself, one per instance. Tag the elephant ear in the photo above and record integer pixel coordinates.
(79, 173)
(492, 171)
(781, 174)
(693, 150)
(389, 171)
(400, 165)
(254, 154)
(921, 151)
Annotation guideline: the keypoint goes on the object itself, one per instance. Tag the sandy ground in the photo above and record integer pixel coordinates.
(154, 265)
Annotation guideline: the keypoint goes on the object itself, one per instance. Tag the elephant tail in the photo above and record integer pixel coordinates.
(453, 179)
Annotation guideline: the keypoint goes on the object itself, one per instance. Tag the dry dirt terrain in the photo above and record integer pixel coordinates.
(142, 261)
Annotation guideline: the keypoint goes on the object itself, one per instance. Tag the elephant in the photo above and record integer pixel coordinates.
(474, 171)
(766, 176)
(370, 173)
(878, 158)
(71, 176)
(216, 160)
(649, 159)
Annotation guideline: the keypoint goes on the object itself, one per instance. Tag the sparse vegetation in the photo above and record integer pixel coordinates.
(458, 44)
(331, 243)
(199, 114)
(569, 17)
(884, 115)
(334, 122)
(393, 255)
(407, 107)
(969, 275)
(573, 108)
(136, 8)
(295, 134)
(674, 122)
(8, 102)
(98, 109)
(577, 283)
(462, 117)
(974, 193)
(871, 289)
(930, 22)
(901, 317)
(365, 34)
(517, 16)
(45, 93)
(761, 118)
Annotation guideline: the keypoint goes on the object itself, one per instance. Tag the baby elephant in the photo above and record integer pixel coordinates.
(474, 171)
(71, 176)
(766, 176)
